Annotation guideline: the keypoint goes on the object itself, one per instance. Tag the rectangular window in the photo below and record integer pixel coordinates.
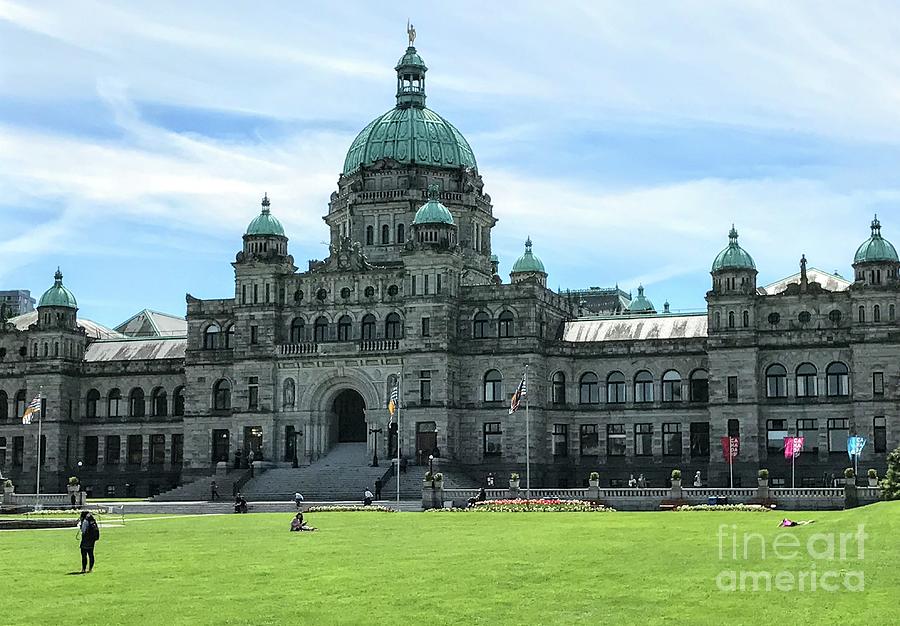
(776, 482)
(412, 285)
(425, 387)
(615, 440)
(110, 491)
(113, 449)
(838, 432)
(18, 456)
(253, 397)
(590, 440)
(426, 327)
(2, 452)
(560, 440)
(135, 449)
(268, 293)
(91, 445)
(243, 294)
(427, 290)
(255, 294)
(732, 388)
(699, 439)
(809, 430)
(254, 334)
(43, 450)
(157, 449)
(493, 436)
(880, 433)
(877, 383)
(643, 439)
(177, 449)
(437, 285)
(672, 439)
(776, 431)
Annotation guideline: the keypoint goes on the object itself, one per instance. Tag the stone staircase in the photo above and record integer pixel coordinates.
(199, 489)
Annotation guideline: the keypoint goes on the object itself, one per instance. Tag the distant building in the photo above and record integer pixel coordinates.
(15, 302)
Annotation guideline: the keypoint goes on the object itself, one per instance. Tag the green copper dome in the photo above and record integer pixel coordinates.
(433, 212)
(58, 295)
(734, 256)
(528, 262)
(876, 248)
(410, 133)
(641, 304)
(265, 223)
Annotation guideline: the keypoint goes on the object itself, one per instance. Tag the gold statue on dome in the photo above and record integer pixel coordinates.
(411, 32)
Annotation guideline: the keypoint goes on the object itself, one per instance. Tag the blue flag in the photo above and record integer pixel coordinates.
(855, 445)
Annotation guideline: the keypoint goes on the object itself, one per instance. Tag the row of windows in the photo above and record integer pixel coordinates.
(481, 325)
(838, 431)
(138, 405)
(385, 234)
(323, 330)
(804, 317)
(837, 381)
(134, 453)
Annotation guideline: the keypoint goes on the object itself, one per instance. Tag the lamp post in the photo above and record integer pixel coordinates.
(431, 468)
(374, 432)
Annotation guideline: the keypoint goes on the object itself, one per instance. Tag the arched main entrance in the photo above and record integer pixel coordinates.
(350, 409)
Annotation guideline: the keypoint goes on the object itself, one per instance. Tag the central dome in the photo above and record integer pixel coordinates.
(410, 133)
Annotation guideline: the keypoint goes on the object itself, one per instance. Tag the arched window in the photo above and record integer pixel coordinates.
(717, 323)
(159, 402)
(114, 403)
(4, 405)
(20, 402)
(288, 394)
(480, 325)
(222, 395)
(776, 381)
(401, 233)
(837, 379)
(368, 327)
(559, 388)
(392, 327)
(862, 314)
(699, 386)
(730, 319)
(671, 386)
(136, 405)
(876, 313)
(589, 389)
(493, 383)
(90, 409)
(370, 235)
(504, 324)
(320, 330)
(229, 336)
(178, 401)
(643, 387)
(807, 381)
(211, 337)
(615, 388)
(746, 319)
(298, 330)
(345, 325)
(385, 234)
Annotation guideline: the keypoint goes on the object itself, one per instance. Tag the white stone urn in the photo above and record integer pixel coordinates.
(8, 487)
(763, 482)
(873, 482)
(513, 483)
(70, 489)
(676, 483)
(593, 482)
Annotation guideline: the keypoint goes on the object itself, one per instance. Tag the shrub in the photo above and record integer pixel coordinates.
(429, 476)
(7, 484)
(542, 505)
(872, 473)
(334, 508)
(890, 484)
(514, 476)
(595, 476)
(763, 474)
(676, 474)
(73, 480)
(849, 473)
(438, 477)
(723, 507)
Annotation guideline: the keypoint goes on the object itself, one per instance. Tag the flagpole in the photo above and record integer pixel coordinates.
(730, 465)
(37, 489)
(793, 471)
(527, 438)
(399, 387)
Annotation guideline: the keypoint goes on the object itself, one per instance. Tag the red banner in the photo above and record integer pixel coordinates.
(731, 447)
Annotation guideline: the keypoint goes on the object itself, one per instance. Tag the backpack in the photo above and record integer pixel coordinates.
(93, 531)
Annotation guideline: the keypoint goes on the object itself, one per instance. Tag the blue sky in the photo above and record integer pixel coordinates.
(137, 138)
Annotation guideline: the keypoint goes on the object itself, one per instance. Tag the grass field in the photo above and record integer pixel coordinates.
(446, 568)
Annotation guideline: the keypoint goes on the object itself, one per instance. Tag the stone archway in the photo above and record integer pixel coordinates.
(350, 409)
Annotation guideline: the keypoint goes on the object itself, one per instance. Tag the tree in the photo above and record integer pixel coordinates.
(890, 484)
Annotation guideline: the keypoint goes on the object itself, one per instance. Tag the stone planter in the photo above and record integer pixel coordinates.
(873, 482)
(70, 489)
(593, 483)
(676, 483)
(763, 483)
(432, 494)
(514, 484)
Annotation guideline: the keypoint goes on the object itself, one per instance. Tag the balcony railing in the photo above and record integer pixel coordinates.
(379, 345)
(341, 347)
(300, 348)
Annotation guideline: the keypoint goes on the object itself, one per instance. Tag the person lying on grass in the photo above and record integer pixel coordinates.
(298, 525)
(788, 523)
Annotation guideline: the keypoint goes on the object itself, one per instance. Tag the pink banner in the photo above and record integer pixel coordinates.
(731, 446)
(792, 447)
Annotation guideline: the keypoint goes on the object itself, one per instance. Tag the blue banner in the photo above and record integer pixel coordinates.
(855, 446)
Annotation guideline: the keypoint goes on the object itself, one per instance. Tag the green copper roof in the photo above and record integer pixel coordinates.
(410, 133)
(734, 256)
(641, 303)
(58, 295)
(433, 212)
(876, 248)
(265, 223)
(528, 262)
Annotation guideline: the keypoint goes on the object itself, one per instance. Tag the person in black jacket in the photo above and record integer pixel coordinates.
(90, 533)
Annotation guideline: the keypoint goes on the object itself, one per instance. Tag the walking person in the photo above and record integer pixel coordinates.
(250, 458)
(90, 533)
(214, 491)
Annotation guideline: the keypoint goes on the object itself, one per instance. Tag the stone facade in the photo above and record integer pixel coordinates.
(296, 361)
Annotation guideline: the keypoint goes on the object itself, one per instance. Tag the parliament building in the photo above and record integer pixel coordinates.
(298, 360)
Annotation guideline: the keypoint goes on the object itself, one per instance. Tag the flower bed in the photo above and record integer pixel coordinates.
(330, 508)
(723, 507)
(542, 505)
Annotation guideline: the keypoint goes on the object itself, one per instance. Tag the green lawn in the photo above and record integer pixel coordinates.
(452, 568)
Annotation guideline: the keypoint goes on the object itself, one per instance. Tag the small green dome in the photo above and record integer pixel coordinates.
(433, 212)
(876, 248)
(734, 256)
(58, 295)
(528, 262)
(265, 223)
(641, 304)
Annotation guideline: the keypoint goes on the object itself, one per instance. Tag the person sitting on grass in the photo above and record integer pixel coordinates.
(298, 525)
(240, 504)
(367, 497)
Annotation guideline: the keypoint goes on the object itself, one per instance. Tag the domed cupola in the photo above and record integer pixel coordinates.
(733, 269)
(57, 307)
(433, 223)
(641, 305)
(265, 235)
(528, 267)
(876, 261)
